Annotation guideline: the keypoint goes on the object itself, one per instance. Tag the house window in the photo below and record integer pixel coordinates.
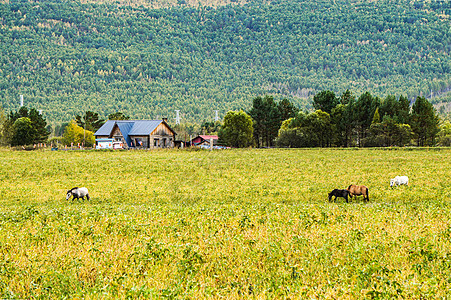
(155, 142)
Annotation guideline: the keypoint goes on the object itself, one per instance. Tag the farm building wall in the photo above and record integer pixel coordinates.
(162, 137)
(140, 141)
(162, 130)
(117, 134)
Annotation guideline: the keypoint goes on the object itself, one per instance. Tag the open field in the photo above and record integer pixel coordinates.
(225, 224)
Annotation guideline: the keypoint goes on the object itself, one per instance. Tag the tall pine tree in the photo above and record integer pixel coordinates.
(424, 122)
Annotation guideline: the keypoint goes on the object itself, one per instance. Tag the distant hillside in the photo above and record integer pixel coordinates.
(169, 3)
(66, 57)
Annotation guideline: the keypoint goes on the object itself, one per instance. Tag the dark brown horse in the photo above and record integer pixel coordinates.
(358, 190)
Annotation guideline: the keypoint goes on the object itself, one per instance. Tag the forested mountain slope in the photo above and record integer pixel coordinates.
(67, 57)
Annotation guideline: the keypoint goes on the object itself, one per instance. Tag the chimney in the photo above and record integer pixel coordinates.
(21, 100)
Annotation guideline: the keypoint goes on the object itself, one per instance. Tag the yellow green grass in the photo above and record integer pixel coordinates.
(225, 224)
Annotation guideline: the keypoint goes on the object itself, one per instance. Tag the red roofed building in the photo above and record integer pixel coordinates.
(204, 140)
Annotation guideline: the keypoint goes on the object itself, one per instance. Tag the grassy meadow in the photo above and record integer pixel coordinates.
(225, 224)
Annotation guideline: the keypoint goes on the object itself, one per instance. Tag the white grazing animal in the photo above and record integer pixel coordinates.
(78, 193)
(398, 180)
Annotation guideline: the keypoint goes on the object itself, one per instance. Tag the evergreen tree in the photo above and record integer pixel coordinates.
(38, 132)
(340, 125)
(388, 133)
(389, 107)
(117, 116)
(346, 97)
(40, 126)
(210, 128)
(325, 101)
(258, 115)
(364, 110)
(287, 109)
(90, 121)
(424, 122)
(267, 120)
(403, 110)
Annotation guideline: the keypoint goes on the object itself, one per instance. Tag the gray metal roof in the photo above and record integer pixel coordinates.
(106, 128)
(144, 127)
(125, 128)
(129, 127)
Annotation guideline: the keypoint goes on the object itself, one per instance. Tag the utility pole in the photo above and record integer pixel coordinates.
(177, 116)
(84, 133)
(216, 116)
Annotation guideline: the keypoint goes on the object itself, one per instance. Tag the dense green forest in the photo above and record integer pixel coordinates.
(67, 57)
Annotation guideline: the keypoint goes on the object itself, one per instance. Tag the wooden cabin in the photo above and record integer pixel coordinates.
(148, 134)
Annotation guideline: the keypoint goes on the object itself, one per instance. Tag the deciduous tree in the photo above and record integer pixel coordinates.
(74, 134)
(237, 129)
(23, 132)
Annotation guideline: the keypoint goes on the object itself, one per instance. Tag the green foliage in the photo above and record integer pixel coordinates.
(237, 129)
(210, 128)
(117, 116)
(267, 116)
(69, 57)
(388, 133)
(307, 130)
(362, 111)
(59, 129)
(358, 122)
(2, 126)
(424, 122)
(74, 135)
(90, 121)
(23, 132)
(376, 117)
(444, 134)
(325, 101)
(341, 118)
(25, 127)
(287, 109)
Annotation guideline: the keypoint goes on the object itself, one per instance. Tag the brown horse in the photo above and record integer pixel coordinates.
(358, 190)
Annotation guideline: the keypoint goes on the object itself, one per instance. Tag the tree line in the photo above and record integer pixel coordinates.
(337, 121)
(27, 127)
